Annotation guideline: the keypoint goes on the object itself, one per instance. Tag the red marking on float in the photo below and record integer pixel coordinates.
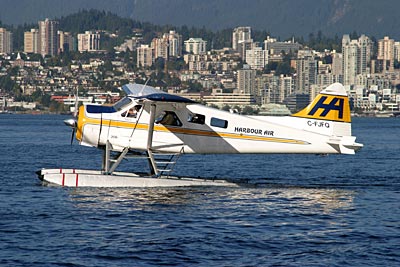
(63, 179)
(76, 180)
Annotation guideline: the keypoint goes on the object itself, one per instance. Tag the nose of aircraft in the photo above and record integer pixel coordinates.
(72, 123)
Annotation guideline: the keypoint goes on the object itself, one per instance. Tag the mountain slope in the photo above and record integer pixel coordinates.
(282, 18)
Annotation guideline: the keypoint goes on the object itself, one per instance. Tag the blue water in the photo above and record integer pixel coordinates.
(305, 210)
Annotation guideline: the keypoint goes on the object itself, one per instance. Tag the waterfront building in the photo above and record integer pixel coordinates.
(196, 46)
(6, 41)
(48, 36)
(221, 99)
(88, 41)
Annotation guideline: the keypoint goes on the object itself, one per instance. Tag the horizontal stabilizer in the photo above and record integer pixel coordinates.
(345, 145)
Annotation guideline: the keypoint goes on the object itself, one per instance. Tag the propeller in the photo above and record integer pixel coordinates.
(71, 123)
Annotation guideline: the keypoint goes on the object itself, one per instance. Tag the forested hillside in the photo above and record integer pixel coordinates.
(282, 18)
(91, 20)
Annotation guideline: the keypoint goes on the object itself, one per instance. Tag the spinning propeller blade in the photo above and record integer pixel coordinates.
(72, 135)
(72, 123)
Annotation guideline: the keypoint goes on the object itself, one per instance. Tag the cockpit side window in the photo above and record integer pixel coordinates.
(197, 118)
(169, 118)
(132, 112)
(124, 102)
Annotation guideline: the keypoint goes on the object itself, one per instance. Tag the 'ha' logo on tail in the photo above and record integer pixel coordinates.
(331, 104)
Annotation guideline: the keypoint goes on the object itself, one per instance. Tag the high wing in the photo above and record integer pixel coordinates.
(140, 91)
(135, 89)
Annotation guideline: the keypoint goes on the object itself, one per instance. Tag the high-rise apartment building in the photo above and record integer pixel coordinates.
(274, 89)
(337, 66)
(5, 41)
(169, 45)
(365, 51)
(386, 53)
(240, 34)
(307, 69)
(32, 41)
(356, 58)
(246, 81)
(350, 60)
(160, 47)
(144, 56)
(257, 58)
(67, 41)
(175, 44)
(48, 34)
(196, 46)
(397, 51)
(88, 41)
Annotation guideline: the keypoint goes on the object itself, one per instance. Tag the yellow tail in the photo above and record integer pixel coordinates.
(331, 104)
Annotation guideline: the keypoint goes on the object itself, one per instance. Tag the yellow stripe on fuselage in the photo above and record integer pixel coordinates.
(160, 128)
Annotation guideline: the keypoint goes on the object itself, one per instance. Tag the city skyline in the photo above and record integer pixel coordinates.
(238, 71)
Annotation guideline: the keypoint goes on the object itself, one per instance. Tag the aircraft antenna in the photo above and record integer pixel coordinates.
(144, 85)
(76, 103)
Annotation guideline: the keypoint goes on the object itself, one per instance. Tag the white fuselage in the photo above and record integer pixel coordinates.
(202, 129)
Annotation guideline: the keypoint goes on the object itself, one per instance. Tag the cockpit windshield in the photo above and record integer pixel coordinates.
(124, 102)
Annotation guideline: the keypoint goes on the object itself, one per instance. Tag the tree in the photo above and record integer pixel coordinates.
(248, 110)
(226, 107)
(195, 86)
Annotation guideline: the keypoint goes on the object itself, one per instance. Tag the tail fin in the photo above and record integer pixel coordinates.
(331, 104)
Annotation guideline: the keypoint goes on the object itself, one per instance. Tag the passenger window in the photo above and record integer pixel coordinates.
(169, 118)
(197, 118)
(219, 123)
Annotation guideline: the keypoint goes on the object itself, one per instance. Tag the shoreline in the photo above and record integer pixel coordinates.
(353, 115)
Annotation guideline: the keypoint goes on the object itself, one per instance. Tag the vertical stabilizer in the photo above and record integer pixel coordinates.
(331, 104)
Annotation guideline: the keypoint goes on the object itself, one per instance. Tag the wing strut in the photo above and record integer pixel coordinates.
(111, 163)
(152, 162)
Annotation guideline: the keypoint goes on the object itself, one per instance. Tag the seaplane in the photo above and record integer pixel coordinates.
(158, 127)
